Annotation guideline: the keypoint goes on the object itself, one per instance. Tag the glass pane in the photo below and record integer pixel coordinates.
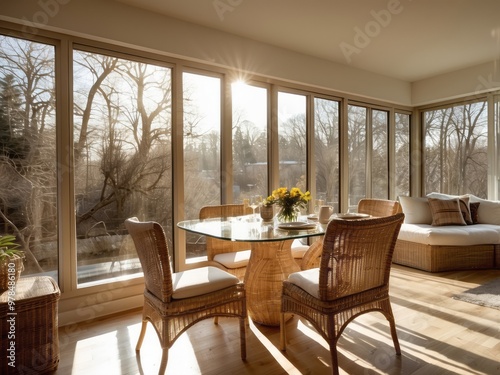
(326, 151)
(380, 155)
(122, 159)
(202, 144)
(292, 140)
(28, 165)
(249, 141)
(456, 150)
(402, 154)
(356, 145)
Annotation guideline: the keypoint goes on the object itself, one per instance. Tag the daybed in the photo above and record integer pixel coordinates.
(444, 232)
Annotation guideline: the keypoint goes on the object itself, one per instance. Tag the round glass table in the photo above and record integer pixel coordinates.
(270, 261)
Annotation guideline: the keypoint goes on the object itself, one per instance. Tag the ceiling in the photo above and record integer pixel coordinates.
(404, 39)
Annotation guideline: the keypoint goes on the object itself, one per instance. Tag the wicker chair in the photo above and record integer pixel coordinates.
(173, 302)
(370, 206)
(353, 279)
(231, 256)
(379, 207)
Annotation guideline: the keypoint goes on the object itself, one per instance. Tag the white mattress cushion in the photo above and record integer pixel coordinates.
(200, 281)
(478, 234)
(235, 259)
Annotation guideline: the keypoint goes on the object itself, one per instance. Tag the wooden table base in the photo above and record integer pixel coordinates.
(270, 263)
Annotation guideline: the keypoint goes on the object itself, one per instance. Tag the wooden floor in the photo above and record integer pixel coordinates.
(438, 335)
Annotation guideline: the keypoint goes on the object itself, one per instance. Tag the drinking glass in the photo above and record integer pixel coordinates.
(255, 201)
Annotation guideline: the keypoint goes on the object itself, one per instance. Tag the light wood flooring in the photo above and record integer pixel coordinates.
(438, 335)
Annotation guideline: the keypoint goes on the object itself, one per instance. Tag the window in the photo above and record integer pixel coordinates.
(250, 124)
(122, 162)
(28, 164)
(402, 154)
(356, 145)
(456, 149)
(292, 140)
(202, 150)
(326, 151)
(380, 154)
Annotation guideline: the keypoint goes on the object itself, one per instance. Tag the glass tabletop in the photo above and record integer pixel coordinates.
(248, 228)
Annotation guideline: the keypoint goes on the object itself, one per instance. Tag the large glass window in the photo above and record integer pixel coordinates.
(122, 159)
(326, 151)
(380, 154)
(250, 124)
(28, 165)
(456, 149)
(292, 140)
(356, 145)
(402, 154)
(202, 150)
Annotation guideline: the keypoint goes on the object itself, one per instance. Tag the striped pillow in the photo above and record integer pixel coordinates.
(446, 212)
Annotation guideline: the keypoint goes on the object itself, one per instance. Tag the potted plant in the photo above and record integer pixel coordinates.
(11, 262)
(267, 209)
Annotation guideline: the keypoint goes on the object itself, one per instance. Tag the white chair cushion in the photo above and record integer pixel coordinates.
(298, 249)
(236, 259)
(200, 281)
(307, 280)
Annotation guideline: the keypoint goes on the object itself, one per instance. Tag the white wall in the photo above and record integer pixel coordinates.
(111, 21)
(466, 82)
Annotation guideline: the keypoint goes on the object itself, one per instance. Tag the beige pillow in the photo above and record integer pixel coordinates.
(488, 211)
(464, 204)
(416, 210)
(446, 212)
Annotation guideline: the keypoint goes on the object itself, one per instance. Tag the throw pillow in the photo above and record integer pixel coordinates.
(446, 212)
(464, 207)
(416, 210)
(488, 212)
(474, 208)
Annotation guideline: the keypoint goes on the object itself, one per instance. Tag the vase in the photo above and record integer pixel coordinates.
(288, 214)
(267, 213)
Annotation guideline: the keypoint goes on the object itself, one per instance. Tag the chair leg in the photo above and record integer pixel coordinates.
(163, 364)
(243, 339)
(282, 332)
(141, 335)
(394, 335)
(334, 358)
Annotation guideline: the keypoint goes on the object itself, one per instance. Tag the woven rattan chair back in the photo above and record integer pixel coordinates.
(216, 246)
(151, 246)
(378, 207)
(172, 316)
(357, 255)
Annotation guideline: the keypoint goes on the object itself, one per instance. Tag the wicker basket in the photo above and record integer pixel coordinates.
(29, 328)
(10, 270)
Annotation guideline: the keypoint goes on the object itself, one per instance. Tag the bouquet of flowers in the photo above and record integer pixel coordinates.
(290, 202)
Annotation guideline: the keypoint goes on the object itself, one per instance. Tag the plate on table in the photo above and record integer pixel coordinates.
(352, 216)
(312, 217)
(297, 225)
